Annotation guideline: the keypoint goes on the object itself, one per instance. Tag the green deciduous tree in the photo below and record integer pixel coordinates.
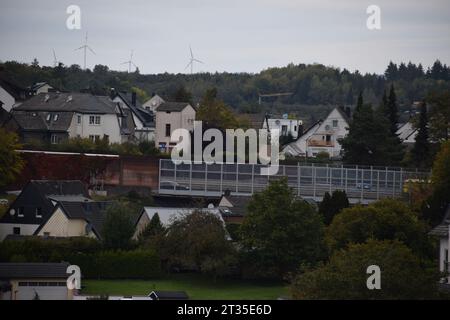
(215, 113)
(382, 220)
(11, 163)
(434, 207)
(279, 233)
(198, 241)
(118, 227)
(403, 275)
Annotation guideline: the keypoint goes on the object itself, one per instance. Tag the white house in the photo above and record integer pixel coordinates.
(143, 119)
(53, 117)
(166, 215)
(285, 125)
(442, 232)
(11, 94)
(169, 117)
(41, 87)
(154, 102)
(323, 136)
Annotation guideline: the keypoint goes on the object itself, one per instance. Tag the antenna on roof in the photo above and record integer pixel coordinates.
(130, 62)
(192, 60)
(85, 47)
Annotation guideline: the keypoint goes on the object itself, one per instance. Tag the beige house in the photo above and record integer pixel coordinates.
(28, 281)
(169, 117)
(74, 219)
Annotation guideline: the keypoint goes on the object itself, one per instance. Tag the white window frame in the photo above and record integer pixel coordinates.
(54, 139)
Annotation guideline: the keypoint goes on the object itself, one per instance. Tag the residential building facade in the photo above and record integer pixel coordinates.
(169, 117)
(55, 117)
(287, 127)
(321, 137)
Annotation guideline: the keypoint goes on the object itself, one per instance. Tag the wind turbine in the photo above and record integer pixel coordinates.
(130, 62)
(192, 61)
(85, 47)
(55, 60)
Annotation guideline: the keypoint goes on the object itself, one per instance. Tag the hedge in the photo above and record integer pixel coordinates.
(137, 264)
(87, 254)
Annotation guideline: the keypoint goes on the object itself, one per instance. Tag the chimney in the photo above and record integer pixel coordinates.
(227, 193)
(112, 93)
(133, 99)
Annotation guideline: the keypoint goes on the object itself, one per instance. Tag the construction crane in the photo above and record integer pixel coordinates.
(267, 95)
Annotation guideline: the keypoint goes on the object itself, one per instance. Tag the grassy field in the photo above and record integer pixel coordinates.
(196, 286)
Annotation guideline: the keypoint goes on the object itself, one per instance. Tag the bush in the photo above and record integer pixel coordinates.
(46, 250)
(138, 264)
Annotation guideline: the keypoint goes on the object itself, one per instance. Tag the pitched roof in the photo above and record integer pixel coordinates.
(60, 187)
(14, 89)
(168, 295)
(33, 270)
(69, 102)
(256, 120)
(183, 201)
(167, 214)
(442, 229)
(173, 106)
(239, 205)
(38, 120)
(145, 116)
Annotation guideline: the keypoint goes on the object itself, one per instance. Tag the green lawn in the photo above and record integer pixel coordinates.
(196, 286)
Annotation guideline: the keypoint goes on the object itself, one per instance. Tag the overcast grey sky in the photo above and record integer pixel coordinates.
(228, 35)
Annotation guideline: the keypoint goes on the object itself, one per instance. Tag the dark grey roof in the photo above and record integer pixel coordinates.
(69, 102)
(442, 229)
(60, 187)
(172, 106)
(91, 211)
(38, 120)
(239, 204)
(33, 270)
(169, 295)
(146, 116)
(14, 89)
(183, 201)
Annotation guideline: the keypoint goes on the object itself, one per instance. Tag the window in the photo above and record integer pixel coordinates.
(94, 137)
(94, 120)
(38, 212)
(20, 212)
(55, 117)
(328, 138)
(49, 116)
(284, 130)
(16, 230)
(54, 139)
(46, 234)
(168, 130)
(335, 123)
(295, 128)
(79, 119)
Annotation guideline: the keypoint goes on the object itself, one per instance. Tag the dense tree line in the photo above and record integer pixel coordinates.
(314, 84)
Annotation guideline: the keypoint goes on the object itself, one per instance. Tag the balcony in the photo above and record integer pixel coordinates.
(320, 143)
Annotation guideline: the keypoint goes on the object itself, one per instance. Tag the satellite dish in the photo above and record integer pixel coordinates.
(12, 212)
(327, 127)
(210, 206)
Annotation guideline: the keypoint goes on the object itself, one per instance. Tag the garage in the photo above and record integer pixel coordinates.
(34, 281)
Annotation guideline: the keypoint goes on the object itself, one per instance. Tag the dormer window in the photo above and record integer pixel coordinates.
(38, 212)
(55, 117)
(49, 116)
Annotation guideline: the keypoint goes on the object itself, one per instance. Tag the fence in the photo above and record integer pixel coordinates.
(362, 184)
